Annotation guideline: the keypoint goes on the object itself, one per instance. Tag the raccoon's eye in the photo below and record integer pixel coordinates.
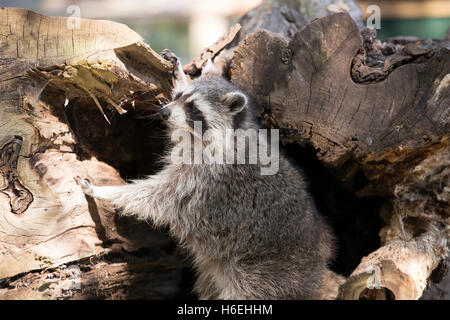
(178, 95)
(190, 105)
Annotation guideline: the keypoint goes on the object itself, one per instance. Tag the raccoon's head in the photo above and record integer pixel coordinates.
(209, 102)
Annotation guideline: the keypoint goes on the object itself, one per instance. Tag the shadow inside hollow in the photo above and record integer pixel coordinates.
(355, 221)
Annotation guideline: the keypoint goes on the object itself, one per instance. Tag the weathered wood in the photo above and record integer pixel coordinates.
(415, 239)
(193, 67)
(284, 17)
(69, 103)
(398, 270)
(287, 17)
(313, 99)
(113, 276)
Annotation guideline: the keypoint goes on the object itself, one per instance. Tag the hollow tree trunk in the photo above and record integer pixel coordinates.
(371, 110)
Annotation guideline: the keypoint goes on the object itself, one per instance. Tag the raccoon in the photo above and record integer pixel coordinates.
(251, 236)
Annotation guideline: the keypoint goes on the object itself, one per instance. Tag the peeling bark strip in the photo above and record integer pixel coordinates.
(376, 60)
(19, 196)
(212, 51)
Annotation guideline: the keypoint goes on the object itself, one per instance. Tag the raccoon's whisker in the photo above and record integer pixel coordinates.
(190, 130)
(150, 116)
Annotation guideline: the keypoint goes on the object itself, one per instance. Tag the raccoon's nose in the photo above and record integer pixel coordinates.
(164, 113)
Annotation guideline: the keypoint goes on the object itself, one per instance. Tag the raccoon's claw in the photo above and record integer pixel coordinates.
(178, 73)
(85, 185)
(170, 56)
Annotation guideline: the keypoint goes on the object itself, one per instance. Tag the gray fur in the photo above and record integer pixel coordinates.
(251, 236)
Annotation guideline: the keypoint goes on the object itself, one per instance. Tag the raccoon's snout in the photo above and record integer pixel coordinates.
(164, 113)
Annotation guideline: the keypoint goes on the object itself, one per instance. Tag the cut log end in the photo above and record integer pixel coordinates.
(399, 270)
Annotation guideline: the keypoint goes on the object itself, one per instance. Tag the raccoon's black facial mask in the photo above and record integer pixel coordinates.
(194, 114)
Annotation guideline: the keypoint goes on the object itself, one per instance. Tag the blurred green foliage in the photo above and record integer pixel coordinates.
(173, 33)
(164, 33)
(423, 28)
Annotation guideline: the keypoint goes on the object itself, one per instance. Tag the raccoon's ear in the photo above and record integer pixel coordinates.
(235, 100)
(210, 68)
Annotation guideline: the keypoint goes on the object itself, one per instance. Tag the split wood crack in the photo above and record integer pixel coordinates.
(19, 196)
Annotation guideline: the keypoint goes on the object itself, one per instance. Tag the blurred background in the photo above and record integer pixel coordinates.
(188, 26)
(421, 18)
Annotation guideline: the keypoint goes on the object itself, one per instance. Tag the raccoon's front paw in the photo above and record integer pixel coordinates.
(85, 185)
(170, 56)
